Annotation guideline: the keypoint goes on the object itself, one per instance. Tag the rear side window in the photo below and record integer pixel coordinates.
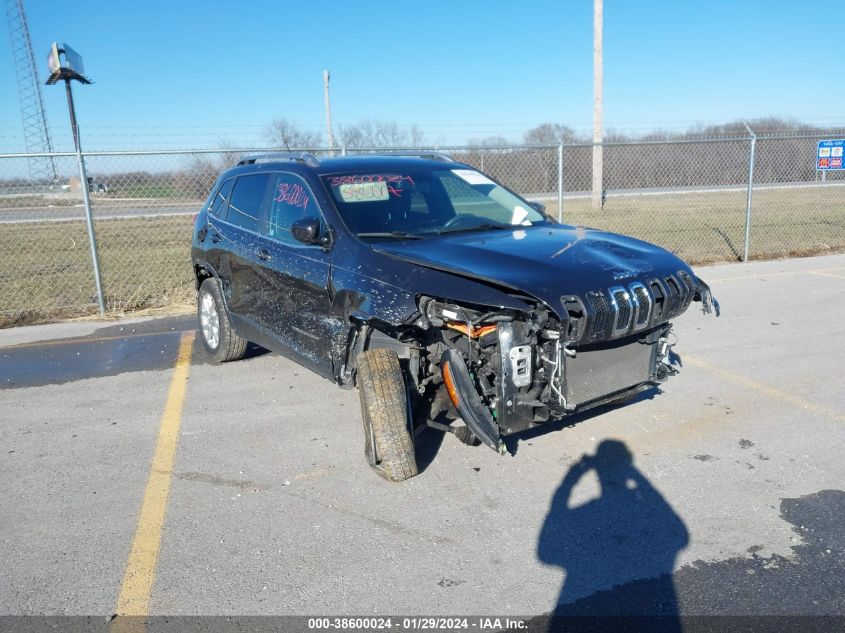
(290, 201)
(220, 203)
(246, 200)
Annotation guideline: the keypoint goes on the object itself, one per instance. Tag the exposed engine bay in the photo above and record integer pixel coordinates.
(502, 371)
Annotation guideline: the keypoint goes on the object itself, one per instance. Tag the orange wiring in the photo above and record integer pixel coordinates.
(452, 390)
(477, 332)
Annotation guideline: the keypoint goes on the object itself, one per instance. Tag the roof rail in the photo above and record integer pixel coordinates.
(428, 155)
(300, 157)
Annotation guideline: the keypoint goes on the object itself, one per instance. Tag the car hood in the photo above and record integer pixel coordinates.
(545, 261)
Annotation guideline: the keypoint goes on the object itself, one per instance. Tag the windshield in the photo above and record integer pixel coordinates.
(420, 202)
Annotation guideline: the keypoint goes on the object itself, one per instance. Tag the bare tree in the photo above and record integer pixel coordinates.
(416, 137)
(203, 169)
(490, 141)
(391, 134)
(351, 136)
(370, 133)
(289, 135)
(550, 134)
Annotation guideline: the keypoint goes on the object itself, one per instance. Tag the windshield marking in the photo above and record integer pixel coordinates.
(292, 194)
(364, 192)
(357, 179)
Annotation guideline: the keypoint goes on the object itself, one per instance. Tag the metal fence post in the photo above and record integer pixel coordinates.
(560, 183)
(92, 237)
(750, 192)
(86, 200)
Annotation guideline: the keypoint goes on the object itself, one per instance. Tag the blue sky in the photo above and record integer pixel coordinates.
(195, 73)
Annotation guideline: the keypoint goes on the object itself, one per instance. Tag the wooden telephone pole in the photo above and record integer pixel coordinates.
(329, 133)
(597, 104)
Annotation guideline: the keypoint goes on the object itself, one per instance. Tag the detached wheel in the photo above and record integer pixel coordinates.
(218, 336)
(384, 408)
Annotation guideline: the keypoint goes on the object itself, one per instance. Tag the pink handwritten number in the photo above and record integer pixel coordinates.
(357, 179)
(292, 194)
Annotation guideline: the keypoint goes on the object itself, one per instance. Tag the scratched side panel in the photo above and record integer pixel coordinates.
(383, 290)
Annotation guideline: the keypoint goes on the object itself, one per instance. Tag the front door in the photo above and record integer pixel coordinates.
(293, 278)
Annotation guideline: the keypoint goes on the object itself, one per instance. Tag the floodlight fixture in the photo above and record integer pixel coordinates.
(65, 63)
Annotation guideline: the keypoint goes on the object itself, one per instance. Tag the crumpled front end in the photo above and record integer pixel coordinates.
(503, 371)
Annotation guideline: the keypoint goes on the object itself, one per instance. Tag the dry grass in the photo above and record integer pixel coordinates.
(710, 227)
(45, 268)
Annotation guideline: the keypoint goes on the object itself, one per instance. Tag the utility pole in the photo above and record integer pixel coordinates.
(36, 134)
(329, 133)
(597, 104)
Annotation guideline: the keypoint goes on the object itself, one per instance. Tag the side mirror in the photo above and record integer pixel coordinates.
(538, 206)
(307, 231)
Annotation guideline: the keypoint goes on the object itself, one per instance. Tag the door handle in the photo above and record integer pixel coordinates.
(215, 237)
(264, 255)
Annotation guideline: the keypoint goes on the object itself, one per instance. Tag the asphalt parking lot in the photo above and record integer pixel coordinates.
(139, 478)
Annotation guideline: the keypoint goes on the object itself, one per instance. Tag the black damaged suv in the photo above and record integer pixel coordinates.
(441, 294)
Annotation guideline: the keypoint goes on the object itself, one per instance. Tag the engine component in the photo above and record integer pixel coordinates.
(520, 365)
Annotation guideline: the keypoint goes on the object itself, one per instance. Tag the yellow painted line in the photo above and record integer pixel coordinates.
(739, 379)
(83, 340)
(138, 578)
(827, 274)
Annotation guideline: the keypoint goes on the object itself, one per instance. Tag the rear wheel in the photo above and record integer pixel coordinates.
(388, 445)
(218, 336)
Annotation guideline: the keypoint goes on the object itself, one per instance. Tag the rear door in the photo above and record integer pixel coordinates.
(294, 277)
(239, 240)
(218, 208)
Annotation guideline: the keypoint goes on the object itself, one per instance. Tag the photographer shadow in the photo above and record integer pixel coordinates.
(619, 549)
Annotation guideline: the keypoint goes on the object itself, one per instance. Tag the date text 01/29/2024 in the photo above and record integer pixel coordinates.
(416, 623)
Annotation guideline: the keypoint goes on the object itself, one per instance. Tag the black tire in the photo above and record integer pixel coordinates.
(218, 336)
(388, 445)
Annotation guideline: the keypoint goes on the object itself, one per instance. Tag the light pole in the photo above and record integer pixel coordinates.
(69, 68)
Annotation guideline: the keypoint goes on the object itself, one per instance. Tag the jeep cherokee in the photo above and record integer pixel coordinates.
(438, 292)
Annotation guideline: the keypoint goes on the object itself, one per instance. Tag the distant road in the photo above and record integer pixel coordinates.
(112, 209)
(672, 191)
(102, 210)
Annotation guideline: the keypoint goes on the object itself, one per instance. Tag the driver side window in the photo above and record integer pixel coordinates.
(291, 200)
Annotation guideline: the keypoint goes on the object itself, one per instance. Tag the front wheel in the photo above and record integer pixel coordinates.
(218, 335)
(388, 446)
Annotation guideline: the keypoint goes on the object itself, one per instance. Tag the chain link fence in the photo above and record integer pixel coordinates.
(691, 197)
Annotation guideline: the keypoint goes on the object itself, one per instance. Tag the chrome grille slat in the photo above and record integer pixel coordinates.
(644, 305)
(602, 313)
(675, 296)
(621, 310)
(687, 281)
(622, 305)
